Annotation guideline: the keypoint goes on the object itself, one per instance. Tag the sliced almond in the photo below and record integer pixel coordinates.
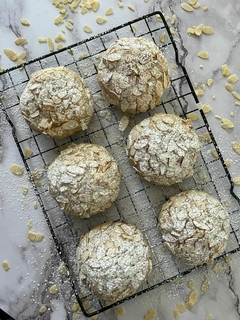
(130, 7)
(203, 54)
(109, 11)
(68, 25)
(193, 296)
(174, 19)
(196, 5)
(101, 20)
(205, 137)
(59, 38)
(186, 7)
(205, 8)
(42, 40)
(237, 103)
(84, 10)
(181, 307)
(5, 265)
(227, 162)
(232, 78)
(199, 92)
(190, 30)
(50, 44)
(226, 124)
(150, 315)
(192, 2)
(22, 55)
(25, 22)
(120, 4)
(236, 95)
(43, 309)
(214, 153)
(205, 285)
(87, 29)
(206, 108)
(162, 37)
(225, 70)
(209, 82)
(228, 87)
(236, 181)
(95, 6)
(16, 169)
(10, 54)
(20, 41)
(199, 29)
(207, 30)
(59, 19)
(236, 147)
(53, 289)
(192, 116)
(175, 314)
(59, 46)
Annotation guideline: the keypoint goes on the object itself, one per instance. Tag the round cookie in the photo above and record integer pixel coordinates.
(84, 179)
(57, 102)
(114, 260)
(163, 149)
(133, 74)
(194, 226)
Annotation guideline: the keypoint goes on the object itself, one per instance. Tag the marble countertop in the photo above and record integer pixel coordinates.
(34, 266)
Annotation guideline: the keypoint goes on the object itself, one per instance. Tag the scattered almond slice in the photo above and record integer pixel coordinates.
(20, 41)
(225, 70)
(25, 22)
(162, 37)
(30, 224)
(189, 306)
(214, 153)
(84, 10)
(181, 307)
(123, 123)
(174, 19)
(226, 124)
(5, 265)
(134, 29)
(196, 5)
(101, 20)
(229, 87)
(59, 46)
(1, 69)
(59, 19)
(237, 103)
(87, 29)
(35, 237)
(232, 78)
(151, 314)
(68, 25)
(192, 2)
(16, 169)
(236, 95)
(209, 317)
(50, 44)
(203, 54)
(198, 30)
(190, 284)
(175, 314)
(192, 116)
(109, 11)
(236, 181)
(206, 108)
(236, 147)
(172, 31)
(53, 289)
(10, 54)
(205, 137)
(95, 6)
(190, 31)
(207, 30)
(199, 92)
(25, 190)
(59, 38)
(43, 309)
(22, 55)
(209, 82)
(193, 297)
(42, 40)
(205, 8)
(205, 285)
(199, 105)
(119, 312)
(120, 4)
(227, 162)
(130, 7)
(186, 7)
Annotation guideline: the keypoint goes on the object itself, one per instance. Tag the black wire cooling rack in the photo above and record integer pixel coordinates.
(138, 202)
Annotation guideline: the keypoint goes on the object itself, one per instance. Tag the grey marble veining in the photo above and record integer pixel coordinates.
(34, 266)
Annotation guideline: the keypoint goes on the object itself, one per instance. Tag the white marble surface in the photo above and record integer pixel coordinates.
(33, 266)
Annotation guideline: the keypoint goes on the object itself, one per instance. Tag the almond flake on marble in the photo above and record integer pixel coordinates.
(162, 37)
(130, 7)
(196, 5)
(186, 7)
(172, 31)
(206, 108)
(25, 22)
(42, 40)
(87, 29)
(150, 315)
(20, 41)
(190, 31)
(22, 55)
(5, 265)
(50, 44)
(236, 181)
(190, 284)
(109, 11)
(53, 289)
(84, 10)
(59, 19)
(229, 87)
(205, 285)
(192, 116)
(59, 38)
(69, 25)
(236, 147)
(207, 30)
(29, 224)
(95, 6)
(199, 29)
(101, 20)
(203, 54)
(123, 123)
(237, 103)
(176, 314)
(25, 190)
(134, 29)
(120, 4)
(10, 54)
(35, 236)
(236, 95)
(227, 162)
(232, 78)
(209, 82)
(16, 169)
(119, 312)
(225, 70)
(174, 19)
(205, 8)
(181, 307)
(205, 137)
(214, 153)
(226, 124)
(59, 46)
(42, 309)
(199, 92)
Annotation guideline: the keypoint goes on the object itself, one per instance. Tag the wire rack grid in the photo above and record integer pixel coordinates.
(138, 202)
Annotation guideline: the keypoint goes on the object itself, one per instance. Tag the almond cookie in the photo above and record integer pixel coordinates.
(133, 74)
(194, 226)
(84, 179)
(57, 102)
(114, 260)
(163, 149)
